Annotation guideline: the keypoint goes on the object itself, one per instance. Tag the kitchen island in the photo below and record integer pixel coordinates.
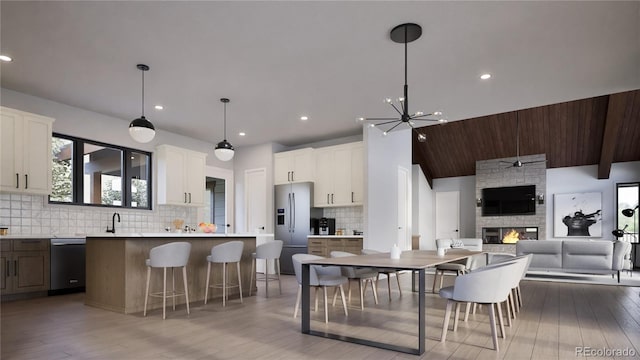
(116, 270)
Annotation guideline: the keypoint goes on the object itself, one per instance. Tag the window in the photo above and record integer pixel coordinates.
(628, 196)
(87, 172)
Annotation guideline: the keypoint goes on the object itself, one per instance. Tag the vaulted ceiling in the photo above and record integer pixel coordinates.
(598, 130)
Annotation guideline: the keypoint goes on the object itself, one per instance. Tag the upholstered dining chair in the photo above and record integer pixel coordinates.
(172, 255)
(361, 275)
(319, 277)
(385, 271)
(457, 267)
(489, 286)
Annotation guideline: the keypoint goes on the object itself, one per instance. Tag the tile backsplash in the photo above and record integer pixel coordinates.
(349, 218)
(33, 215)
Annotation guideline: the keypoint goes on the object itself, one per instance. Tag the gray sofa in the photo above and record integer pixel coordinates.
(575, 256)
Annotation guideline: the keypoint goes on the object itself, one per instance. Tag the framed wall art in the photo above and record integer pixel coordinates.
(577, 215)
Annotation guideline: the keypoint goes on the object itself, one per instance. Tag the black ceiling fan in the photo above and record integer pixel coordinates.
(518, 163)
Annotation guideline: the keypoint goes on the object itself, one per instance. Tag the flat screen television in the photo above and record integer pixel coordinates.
(506, 201)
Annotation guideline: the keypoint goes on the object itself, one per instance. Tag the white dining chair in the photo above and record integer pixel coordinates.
(319, 277)
(172, 255)
(489, 286)
(361, 275)
(269, 251)
(385, 271)
(225, 254)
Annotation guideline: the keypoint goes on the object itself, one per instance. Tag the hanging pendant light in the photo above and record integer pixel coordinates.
(224, 149)
(404, 34)
(141, 129)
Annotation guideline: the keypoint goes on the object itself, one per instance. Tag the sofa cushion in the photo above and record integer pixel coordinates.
(547, 254)
(581, 254)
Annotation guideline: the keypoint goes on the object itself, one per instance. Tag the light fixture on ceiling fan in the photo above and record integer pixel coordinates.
(518, 163)
(404, 34)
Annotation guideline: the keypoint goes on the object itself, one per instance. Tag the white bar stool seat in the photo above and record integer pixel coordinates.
(229, 252)
(171, 255)
(267, 251)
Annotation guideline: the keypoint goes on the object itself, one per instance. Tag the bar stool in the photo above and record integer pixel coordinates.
(229, 252)
(267, 251)
(171, 255)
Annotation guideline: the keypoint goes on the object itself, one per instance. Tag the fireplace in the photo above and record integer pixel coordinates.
(508, 235)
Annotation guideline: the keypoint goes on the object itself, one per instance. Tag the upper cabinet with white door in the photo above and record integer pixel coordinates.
(294, 166)
(25, 151)
(339, 175)
(181, 179)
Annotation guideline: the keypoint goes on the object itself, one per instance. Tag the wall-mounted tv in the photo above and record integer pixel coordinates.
(507, 201)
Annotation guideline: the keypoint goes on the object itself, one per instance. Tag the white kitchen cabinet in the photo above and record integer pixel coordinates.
(25, 151)
(339, 173)
(181, 179)
(294, 166)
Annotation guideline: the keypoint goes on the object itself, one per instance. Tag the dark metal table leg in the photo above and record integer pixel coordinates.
(306, 292)
(421, 313)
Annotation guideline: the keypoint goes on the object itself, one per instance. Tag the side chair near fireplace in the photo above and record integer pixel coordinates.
(460, 267)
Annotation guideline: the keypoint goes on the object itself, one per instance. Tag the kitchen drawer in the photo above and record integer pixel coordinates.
(334, 243)
(352, 243)
(30, 244)
(318, 251)
(5, 245)
(317, 242)
(353, 250)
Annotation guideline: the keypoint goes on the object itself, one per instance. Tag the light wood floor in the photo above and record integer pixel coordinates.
(556, 318)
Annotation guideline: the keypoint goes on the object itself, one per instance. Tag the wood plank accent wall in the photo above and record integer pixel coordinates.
(570, 134)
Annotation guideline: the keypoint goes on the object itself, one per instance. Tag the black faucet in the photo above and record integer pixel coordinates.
(113, 223)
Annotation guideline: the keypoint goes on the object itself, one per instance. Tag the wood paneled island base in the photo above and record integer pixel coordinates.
(116, 270)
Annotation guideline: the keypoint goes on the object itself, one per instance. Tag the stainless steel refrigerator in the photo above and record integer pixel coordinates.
(293, 210)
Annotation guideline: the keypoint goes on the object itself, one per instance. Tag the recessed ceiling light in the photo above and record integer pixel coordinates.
(242, 133)
(5, 58)
(303, 118)
(159, 107)
(485, 76)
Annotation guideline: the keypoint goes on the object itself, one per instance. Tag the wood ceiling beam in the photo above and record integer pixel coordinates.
(615, 114)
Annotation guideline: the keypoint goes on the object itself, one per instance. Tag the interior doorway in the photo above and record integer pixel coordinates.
(215, 203)
(447, 215)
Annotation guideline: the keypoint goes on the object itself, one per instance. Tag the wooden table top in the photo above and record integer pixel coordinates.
(409, 260)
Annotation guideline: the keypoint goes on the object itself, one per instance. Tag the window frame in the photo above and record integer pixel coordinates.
(77, 180)
(636, 217)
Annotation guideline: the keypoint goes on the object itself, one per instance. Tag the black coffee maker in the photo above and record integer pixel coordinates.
(327, 226)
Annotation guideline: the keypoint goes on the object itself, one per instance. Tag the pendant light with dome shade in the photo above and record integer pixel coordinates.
(224, 149)
(141, 129)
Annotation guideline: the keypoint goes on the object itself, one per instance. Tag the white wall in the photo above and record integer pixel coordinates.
(253, 157)
(423, 210)
(383, 156)
(466, 185)
(584, 179)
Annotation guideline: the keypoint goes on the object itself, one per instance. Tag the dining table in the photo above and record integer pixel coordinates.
(416, 261)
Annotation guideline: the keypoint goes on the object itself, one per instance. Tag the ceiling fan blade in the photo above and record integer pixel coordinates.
(380, 119)
(506, 162)
(535, 162)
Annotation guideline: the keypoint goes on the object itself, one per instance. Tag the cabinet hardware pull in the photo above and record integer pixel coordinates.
(352, 196)
(15, 267)
(327, 198)
(26, 181)
(332, 198)
(189, 198)
(17, 181)
(288, 175)
(7, 273)
(185, 197)
(292, 178)
(29, 241)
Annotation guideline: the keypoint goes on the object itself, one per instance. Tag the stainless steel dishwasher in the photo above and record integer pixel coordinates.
(67, 266)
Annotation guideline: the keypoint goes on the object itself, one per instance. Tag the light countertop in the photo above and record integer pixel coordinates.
(132, 235)
(335, 236)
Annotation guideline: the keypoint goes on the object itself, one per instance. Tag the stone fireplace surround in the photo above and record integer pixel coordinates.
(493, 173)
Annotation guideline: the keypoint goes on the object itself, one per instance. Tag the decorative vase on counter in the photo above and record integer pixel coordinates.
(395, 252)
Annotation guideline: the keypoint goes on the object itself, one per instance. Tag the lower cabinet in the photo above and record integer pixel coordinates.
(324, 246)
(25, 265)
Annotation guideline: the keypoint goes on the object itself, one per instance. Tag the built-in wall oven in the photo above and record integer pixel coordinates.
(67, 266)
